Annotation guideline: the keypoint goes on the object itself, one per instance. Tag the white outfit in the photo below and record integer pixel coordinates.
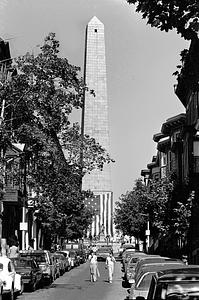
(110, 265)
(93, 267)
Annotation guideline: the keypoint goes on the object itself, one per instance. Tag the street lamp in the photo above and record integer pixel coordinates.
(147, 232)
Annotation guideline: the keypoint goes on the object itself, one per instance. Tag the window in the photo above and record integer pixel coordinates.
(95, 30)
(145, 281)
(9, 267)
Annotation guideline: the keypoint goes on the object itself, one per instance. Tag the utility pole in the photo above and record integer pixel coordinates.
(147, 232)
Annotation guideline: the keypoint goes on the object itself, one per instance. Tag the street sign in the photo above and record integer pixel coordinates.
(147, 232)
(23, 226)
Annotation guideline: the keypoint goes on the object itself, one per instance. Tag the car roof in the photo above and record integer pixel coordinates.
(161, 261)
(129, 250)
(128, 246)
(148, 260)
(151, 256)
(183, 273)
(22, 258)
(159, 267)
(138, 254)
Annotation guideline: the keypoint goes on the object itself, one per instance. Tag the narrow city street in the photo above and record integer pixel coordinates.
(76, 284)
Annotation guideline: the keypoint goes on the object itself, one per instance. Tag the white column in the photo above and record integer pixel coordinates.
(101, 211)
(93, 228)
(109, 213)
(105, 208)
(97, 225)
(26, 240)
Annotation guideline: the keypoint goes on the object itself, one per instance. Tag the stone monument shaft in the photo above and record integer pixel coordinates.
(96, 123)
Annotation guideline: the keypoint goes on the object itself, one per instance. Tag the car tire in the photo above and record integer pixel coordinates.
(51, 279)
(11, 294)
(33, 287)
(22, 288)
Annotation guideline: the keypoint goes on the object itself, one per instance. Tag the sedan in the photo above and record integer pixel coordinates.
(12, 281)
(29, 270)
(74, 258)
(141, 286)
(67, 259)
(102, 253)
(60, 258)
(182, 283)
(129, 271)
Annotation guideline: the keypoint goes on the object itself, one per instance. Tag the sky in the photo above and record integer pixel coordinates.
(140, 63)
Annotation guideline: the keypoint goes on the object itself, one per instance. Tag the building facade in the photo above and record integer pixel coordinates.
(95, 124)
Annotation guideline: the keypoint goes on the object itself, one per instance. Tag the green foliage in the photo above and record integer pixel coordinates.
(128, 211)
(38, 102)
(182, 214)
(171, 14)
(167, 210)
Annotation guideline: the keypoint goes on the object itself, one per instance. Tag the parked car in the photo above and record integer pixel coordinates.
(29, 270)
(126, 246)
(107, 246)
(62, 262)
(129, 268)
(129, 255)
(45, 262)
(12, 281)
(67, 261)
(141, 286)
(56, 263)
(102, 253)
(81, 255)
(149, 260)
(74, 258)
(182, 283)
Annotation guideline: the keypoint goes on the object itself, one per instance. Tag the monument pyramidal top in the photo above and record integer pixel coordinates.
(95, 20)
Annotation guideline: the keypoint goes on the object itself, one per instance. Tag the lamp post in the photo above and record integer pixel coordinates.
(147, 232)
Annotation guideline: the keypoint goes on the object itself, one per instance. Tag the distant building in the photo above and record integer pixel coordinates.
(95, 124)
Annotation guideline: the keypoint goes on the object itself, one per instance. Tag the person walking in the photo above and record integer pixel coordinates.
(93, 266)
(110, 261)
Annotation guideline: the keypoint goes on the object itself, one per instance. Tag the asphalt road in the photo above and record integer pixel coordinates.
(76, 284)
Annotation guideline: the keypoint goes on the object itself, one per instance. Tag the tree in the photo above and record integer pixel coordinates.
(38, 102)
(164, 204)
(129, 211)
(171, 14)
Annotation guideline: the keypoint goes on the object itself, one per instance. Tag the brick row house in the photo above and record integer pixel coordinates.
(17, 198)
(178, 147)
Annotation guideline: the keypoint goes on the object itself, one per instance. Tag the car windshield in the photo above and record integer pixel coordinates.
(178, 290)
(144, 282)
(39, 257)
(22, 263)
(103, 249)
